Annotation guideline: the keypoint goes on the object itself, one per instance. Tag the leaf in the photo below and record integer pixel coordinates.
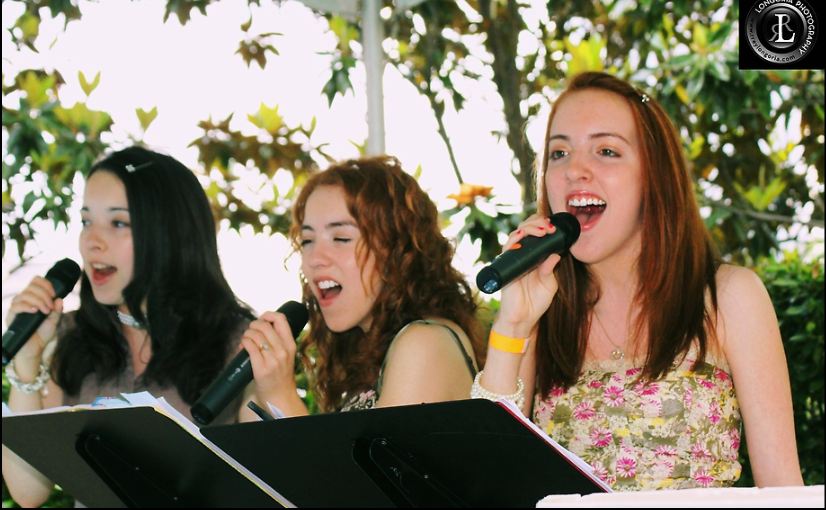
(267, 119)
(699, 36)
(29, 26)
(585, 56)
(360, 147)
(682, 93)
(418, 172)
(246, 25)
(146, 117)
(761, 198)
(720, 70)
(85, 85)
(719, 33)
(183, 8)
(695, 85)
(344, 32)
(36, 88)
(682, 61)
(339, 82)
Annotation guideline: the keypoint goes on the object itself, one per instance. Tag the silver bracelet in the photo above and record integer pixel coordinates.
(30, 387)
(517, 397)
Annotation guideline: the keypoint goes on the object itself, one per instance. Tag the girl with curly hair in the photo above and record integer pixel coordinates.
(391, 321)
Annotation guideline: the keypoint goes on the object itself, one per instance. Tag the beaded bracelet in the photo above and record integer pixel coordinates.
(30, 387)
(478, 391)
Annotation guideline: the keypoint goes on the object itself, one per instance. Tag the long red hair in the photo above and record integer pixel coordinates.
(677, 257)
(399, 226)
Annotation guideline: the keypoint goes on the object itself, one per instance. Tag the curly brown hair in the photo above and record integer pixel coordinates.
(399, 223)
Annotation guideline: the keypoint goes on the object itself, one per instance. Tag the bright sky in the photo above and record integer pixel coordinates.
(192, 72)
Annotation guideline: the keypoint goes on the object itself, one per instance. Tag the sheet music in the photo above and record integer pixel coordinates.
(160, 405)
(572, 457)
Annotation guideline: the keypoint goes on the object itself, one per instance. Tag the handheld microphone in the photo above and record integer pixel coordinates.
(63, 276)
(527, 253)
(238, 373)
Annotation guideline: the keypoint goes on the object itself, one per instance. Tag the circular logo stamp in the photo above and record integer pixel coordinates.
(781, 31)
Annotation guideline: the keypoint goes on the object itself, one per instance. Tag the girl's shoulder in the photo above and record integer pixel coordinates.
(731, 277)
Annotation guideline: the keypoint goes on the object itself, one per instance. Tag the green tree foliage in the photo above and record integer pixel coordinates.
(796, 289)
(48, 143)
(753, 180)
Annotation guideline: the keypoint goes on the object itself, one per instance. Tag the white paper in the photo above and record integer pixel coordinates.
(575, 459)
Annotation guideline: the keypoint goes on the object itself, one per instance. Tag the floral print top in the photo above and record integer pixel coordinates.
(680, 432)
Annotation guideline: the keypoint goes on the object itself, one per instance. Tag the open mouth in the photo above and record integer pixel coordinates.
(587, 210)
(101, 272)
(328, 289)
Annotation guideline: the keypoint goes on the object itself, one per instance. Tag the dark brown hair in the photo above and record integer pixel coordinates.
(672, 295)
(192, 316)
(399, 226)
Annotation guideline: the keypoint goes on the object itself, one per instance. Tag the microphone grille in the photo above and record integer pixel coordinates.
(297, 316)
(567, 223)
(63, 276)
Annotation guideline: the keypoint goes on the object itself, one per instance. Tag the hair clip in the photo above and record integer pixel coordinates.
(131, 168)
(644, 98)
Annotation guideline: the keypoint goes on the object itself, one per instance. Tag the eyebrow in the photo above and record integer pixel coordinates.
(592, 136)
(111, 209)
(332, 224)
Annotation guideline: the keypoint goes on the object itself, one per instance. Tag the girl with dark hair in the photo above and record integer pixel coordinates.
(639, 351)
(391, 321)
(156, 313)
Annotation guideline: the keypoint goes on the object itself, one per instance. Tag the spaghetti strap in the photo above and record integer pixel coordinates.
(468, 359)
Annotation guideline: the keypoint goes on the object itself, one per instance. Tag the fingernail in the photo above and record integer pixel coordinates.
(541, 228)
(519, 231)
(516, 246)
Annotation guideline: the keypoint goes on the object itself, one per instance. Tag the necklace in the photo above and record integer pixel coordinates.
(617, 354)
(128, 320)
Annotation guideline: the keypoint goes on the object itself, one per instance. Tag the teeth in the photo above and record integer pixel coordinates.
(582, 202)
(327, 284)
(98, 265)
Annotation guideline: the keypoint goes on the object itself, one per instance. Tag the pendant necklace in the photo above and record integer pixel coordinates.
(616, 354)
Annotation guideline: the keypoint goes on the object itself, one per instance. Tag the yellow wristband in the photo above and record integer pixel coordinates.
(507, 344)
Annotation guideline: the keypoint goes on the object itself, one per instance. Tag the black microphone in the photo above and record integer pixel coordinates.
(238, 373)
(63, 276)
(533, 250)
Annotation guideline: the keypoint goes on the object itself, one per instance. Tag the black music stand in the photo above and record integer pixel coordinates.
(128, 457)
(464, 453)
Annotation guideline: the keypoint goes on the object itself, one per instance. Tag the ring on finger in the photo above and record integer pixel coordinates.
(263, 347)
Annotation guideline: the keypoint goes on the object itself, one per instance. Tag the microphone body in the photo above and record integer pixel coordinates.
(63, 277)
(238, 373)
(531, 251)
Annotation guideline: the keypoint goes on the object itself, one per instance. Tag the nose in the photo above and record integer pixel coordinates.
(92, 240)
(318, 255)
(578, 169)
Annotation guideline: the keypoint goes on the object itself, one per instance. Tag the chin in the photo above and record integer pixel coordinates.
(338, 325)
(584, 255)
(107, 299)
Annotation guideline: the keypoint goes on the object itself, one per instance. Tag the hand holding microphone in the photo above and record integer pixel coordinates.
(37, 309)
(238, 373)
(528, 260)
(271, 347)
